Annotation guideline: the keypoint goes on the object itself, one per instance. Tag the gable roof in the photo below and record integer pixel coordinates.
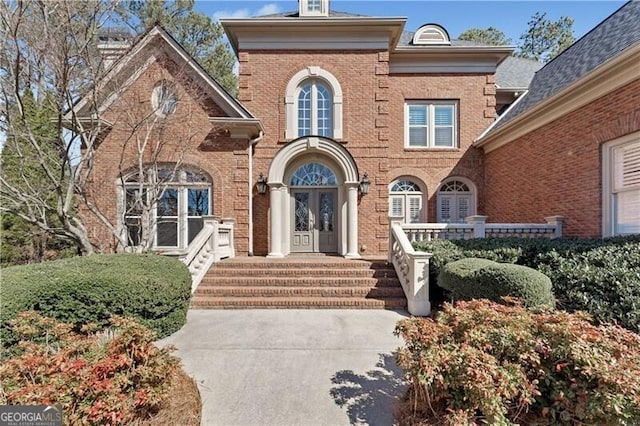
(608, 40)
(141, 52)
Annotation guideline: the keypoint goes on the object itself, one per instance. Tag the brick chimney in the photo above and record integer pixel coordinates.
(112, 44)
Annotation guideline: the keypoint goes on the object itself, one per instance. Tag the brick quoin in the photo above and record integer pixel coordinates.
(556, 169)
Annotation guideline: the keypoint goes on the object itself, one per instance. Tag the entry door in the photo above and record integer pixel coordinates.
(314, 221)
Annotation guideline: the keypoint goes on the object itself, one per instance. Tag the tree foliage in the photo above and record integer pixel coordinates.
(545, 39)
(200, 36)
(490, 35)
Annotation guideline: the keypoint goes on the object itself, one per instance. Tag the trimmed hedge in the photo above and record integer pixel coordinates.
(153, 289)
(600, 276)
(473, 278)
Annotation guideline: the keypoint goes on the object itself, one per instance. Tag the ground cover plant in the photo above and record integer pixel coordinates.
(113, 377)
(600, 276)
(503, 364)
(152, 289)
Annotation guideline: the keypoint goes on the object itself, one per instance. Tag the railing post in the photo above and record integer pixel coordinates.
(392, 220)
(215, 240)
(479, 225)
(557, 222)
(232, 244)
(418, 302)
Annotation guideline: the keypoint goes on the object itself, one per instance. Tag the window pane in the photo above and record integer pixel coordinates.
(134, 201)
(444, 136)
(197, 202)
(445, 209)
(302, 211)
(418, 136)
(134, 229)
(304, 111)
(417, 115)
(168, 203)
(463, 208)
(443, 115)
(194, 226)
(167, 233)
(415, 208)
(326, 212)
(313, 174)
(627, 212)
(397, 206)
(324, 112)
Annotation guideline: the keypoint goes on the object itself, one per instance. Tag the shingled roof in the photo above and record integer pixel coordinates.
(516, 73)
(607, 40)
(295, 14)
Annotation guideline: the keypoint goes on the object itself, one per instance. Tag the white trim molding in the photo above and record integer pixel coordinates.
(611, 185)
(290, 100)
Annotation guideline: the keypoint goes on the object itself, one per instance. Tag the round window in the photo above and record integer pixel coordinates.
(164, 99)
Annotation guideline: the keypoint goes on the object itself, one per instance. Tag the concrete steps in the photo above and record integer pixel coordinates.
(300, 283)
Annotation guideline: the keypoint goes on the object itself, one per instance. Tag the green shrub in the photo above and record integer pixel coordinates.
(152, 289)
(600, 276)
(485, 363)
(471, 278)
(96, 378)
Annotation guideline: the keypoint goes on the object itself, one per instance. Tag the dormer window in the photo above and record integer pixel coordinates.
(314, 8)
(431, 34)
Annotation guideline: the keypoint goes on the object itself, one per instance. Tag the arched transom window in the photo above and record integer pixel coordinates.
(315, 110)
(456, 201)
(313, 174)
(406, 201)
(163, 207)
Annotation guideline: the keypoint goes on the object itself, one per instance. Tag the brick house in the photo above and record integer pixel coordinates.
(349, 120)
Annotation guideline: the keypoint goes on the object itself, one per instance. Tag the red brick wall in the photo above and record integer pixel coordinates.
(476, 108)
(187, 134)
(556, 169)
(373, 123)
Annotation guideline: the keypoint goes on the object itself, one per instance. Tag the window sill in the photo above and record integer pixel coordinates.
(430, 148)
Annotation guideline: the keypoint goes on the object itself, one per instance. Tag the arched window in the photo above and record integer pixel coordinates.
(456, 201)
(313, 174)
(406, 201)
(314, 110)
(165, 206)
(313, 104)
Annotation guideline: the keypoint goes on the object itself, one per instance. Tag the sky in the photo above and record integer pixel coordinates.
(456, 16)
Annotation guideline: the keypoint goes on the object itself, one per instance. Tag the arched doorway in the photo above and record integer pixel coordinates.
(313, 184)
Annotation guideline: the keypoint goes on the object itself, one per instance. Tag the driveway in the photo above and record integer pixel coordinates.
(292, 367)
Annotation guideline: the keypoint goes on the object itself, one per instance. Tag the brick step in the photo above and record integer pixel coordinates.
(281, 272)
(296, 303)
(300, 281)
(364, 292)
(306, 264)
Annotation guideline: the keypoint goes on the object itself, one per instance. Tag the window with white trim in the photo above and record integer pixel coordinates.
(314, 110)
(622, 187)
(456, 201)
(313, 104)
(313, 7)
(167, 204)
(431, 124)
(406, 201)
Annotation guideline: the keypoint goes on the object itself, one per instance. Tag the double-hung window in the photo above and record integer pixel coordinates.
(431, 124)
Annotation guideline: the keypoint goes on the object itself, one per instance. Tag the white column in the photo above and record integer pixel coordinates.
(275, 216)
(352, 221)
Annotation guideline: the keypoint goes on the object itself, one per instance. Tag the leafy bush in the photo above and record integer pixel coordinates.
(152, 289)
(601, 276)
(482, 362)
(96, 379)
(472, 278)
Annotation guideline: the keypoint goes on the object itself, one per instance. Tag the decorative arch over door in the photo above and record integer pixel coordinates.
(309, 173)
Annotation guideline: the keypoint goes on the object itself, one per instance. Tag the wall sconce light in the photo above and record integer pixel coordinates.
(261, 184)
(364, 184)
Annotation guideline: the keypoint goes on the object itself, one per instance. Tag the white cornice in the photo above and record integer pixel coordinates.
(239, 127)
(609, 76)
(446, 59)
(313, 33)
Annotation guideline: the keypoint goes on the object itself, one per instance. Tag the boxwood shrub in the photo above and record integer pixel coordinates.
(600, 276)
(150, 288)
(472, 278)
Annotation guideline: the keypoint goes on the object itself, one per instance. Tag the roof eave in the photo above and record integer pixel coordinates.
(604, 79)
(239, 127)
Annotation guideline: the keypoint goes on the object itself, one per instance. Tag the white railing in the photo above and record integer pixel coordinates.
(213, 243)
(412, 268)
(477, 227)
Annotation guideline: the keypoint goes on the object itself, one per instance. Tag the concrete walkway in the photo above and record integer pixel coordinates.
(292, 367)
